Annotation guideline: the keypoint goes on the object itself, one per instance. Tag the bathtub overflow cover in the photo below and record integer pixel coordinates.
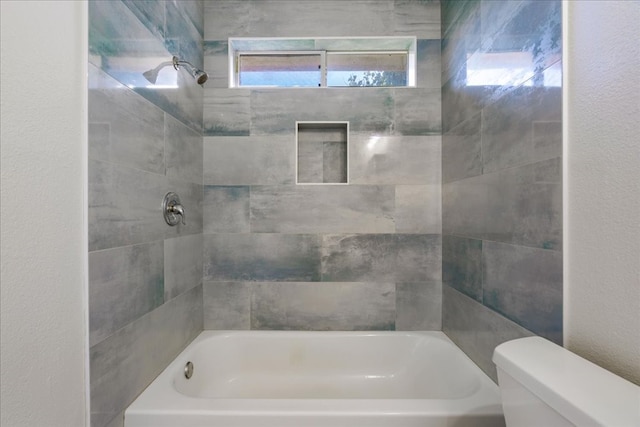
(188, 370)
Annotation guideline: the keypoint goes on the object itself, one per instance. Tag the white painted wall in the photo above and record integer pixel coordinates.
(602, 176)
(43, 241)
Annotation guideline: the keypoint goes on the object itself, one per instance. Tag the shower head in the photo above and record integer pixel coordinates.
(152, 75)
(199, 75)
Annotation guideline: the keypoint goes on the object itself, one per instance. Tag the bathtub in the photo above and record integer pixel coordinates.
(313, 379)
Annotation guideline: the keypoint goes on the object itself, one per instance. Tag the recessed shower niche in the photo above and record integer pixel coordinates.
(322, 152)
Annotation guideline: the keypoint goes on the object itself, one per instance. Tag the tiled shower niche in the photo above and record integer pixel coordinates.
(322, 152)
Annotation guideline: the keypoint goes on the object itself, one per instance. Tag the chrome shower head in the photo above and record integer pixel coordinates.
(200, 76)
(152, 75)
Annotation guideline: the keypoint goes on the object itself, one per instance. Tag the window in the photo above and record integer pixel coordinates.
(324, 62)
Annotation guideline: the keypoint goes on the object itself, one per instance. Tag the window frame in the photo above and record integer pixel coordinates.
(323, 46)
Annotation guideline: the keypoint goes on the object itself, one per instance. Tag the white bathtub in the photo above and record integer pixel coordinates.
(313, 379)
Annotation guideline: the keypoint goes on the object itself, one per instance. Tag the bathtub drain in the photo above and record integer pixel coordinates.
(188, 370)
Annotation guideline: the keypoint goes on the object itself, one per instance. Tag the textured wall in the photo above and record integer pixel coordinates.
(603, 246)
(501, 173)
(361, 256)
(145, 293)
(42, 177)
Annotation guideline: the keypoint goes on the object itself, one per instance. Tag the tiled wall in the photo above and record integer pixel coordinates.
(361, 256)
(501, 173)
(145, 284)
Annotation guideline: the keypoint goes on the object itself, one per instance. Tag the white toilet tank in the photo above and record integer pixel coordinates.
(543, 384)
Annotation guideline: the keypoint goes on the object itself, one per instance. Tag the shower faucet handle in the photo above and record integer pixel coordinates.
(172, 209)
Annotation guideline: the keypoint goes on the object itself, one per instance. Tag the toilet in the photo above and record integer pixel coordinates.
(543, 384)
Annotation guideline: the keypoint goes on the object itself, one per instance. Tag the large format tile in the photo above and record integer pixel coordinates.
(476, 329)
(462, 265)
(428, 66)
(525, 285)
(216, 64)
(121, 45)
(227, 112)
(124, 364)
(191, 199)
(322, 209)
(375, 159)
(227, 305)
(124, 284)
(508, 128)
(462, 151)
(226, 209)
(124, 206)
(183, 154)
(381, 257)
(182, 36)
(417, 18)
(323, 306)
(283, 18)
(262, 257)
(418, 209)
(182, 264)
(264, 160)
(275, 111)
(419, 306)
(124, 128)
(418, 111)
(521, 205)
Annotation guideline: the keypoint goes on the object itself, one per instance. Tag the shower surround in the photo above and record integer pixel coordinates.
(363, 256)
(145, 293)
(501, 173)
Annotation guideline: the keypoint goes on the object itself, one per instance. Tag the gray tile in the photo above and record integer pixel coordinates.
(310, 160)
(124, 364)
(334, 162)
(508, 128)
(227, 305)
(182, 264)
(227, 112)
(124, 128)
(226, 209)
(151, 14)
(224, 19)
(476, 329)
(428, 67)
(525, 285)
(382, 257)
(418, 209)
(117, 33)
(375, 159)
(182, 36)
(216, 63)
(418, 111)
(322, 209)
(183, 152)
(124, 284)
(316, 18)
(323, 306)
(417, 18)
(124, 206)
(193, 10)
(462, 265)
(249, 160)
(462, 151)
(265, 257)
(522, 205)
(275, 111)
(419, 306)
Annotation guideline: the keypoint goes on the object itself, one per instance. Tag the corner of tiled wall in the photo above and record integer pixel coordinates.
(501, 174)
(366, 255)
(145, 284)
